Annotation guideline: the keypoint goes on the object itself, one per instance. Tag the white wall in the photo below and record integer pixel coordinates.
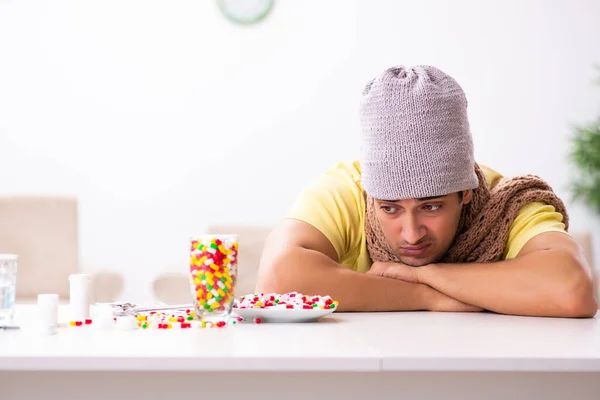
(163, 117)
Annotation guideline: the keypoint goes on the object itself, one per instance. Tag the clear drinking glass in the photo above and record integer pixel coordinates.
(8, 286)
(213, 275)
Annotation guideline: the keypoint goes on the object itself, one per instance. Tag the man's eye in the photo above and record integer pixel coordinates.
(388, 209)
(432, 207)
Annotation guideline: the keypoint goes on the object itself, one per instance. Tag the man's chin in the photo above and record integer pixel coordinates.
(415, 262)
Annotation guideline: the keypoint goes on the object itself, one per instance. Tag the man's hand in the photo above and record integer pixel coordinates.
(396, 271)
(549, 277)
(439, 301)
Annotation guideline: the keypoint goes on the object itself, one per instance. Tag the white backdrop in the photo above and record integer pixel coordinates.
(163, 117)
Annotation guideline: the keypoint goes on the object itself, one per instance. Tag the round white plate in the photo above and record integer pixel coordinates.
(281, 314)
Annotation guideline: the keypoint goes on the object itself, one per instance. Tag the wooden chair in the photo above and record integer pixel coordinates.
(43, 232)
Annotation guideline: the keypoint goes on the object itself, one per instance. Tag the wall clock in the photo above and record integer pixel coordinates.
(245, 12)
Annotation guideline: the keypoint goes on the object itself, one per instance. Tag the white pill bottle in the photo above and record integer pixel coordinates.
(79, 301)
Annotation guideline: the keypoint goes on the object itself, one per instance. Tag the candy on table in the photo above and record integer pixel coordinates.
(104, 315)
(292, 300)
(161, 320)
(213, 264)
(87, 321)
(177, 320)
(114, 315)
(79, 300)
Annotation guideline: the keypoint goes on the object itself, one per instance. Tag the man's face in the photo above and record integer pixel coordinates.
(421, 230)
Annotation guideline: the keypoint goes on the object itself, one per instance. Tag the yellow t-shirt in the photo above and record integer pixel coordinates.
(334, 204)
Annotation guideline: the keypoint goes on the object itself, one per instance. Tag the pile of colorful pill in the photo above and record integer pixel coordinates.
(292, 300)
(178, 320)
(161, 320)
(213, 268)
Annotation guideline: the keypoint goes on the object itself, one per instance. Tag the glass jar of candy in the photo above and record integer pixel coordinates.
(213, 274)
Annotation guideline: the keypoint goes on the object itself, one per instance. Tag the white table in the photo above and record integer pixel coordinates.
(412, 355)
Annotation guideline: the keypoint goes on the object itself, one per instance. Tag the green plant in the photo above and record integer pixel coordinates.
(585, 156)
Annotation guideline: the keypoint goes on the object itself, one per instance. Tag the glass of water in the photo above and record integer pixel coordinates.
(213, 275)
(8, 286)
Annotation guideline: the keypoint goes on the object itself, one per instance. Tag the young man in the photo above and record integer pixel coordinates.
(418, 225)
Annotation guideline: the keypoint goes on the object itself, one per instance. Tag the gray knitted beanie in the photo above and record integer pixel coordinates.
(416, 139)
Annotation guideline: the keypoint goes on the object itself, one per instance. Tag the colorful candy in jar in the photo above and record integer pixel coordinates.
(213, 269)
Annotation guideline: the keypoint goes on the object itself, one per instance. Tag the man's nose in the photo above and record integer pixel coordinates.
(412, 230)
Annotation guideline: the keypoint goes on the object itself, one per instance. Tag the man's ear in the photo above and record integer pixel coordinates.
(467, 196)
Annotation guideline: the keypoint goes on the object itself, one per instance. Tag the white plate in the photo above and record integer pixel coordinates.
(281, 314)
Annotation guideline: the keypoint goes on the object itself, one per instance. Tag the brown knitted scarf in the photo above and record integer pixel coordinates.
(484, 224)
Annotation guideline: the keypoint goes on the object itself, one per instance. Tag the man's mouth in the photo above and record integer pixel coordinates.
(414, 251)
